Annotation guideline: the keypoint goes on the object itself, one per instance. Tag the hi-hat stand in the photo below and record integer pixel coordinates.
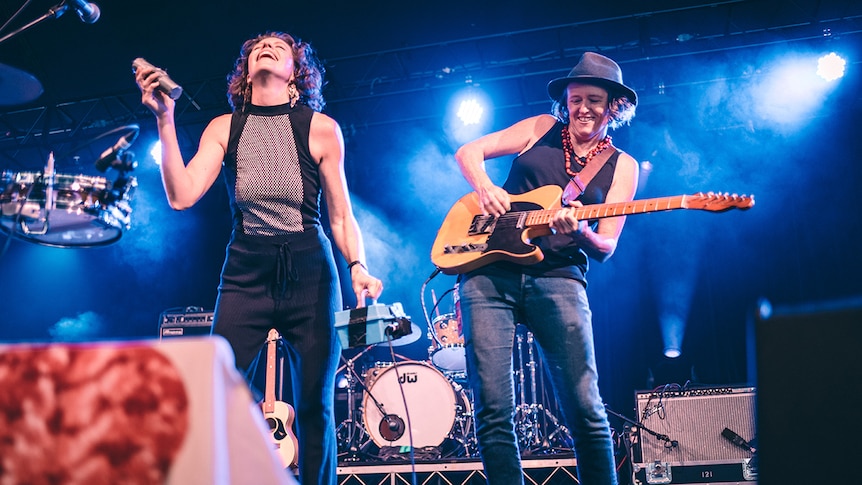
(537, 429)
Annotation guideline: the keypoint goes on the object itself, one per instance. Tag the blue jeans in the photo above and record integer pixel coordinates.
(557, 311)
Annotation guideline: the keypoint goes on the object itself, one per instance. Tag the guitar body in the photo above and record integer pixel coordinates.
(280, 422)
(468, 239)
(460, 248)
(278, 414)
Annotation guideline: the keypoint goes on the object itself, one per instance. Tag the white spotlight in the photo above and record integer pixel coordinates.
(831, 66)
(672, 331)
(672, 353)
(469, 114)
(470, 111)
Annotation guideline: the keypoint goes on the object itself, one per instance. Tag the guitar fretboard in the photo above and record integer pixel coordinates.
(598, 211)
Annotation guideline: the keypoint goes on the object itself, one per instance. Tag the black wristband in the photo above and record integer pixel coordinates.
(354, 263)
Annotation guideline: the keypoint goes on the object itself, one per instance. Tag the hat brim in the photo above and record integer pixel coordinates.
(615, 89)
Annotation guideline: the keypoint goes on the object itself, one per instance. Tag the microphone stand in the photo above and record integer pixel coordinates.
(351, 437)
(658, 436)
(54, 12)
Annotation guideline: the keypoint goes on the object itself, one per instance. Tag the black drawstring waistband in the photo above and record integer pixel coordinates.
(285, 272)
(285, 247)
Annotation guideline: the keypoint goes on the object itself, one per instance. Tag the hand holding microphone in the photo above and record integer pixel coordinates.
(166, 84)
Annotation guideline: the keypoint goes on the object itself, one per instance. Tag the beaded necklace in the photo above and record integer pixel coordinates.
(569, 151)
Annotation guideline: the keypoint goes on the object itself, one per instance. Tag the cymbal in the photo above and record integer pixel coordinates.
(17, 86)
(411, 337)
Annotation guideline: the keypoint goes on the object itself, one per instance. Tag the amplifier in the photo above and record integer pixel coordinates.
(191, 322)
(704, 434)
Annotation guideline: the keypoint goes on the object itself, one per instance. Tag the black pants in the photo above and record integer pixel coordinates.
(290, 284)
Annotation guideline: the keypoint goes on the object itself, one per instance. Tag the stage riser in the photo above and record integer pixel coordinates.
(539, 472)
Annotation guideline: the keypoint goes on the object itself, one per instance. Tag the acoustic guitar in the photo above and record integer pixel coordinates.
(468, 240)
(279, 415)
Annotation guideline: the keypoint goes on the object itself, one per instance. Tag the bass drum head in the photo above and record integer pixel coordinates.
(430, 400)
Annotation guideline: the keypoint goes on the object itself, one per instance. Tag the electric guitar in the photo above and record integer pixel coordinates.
(279, 415)
(468, 240)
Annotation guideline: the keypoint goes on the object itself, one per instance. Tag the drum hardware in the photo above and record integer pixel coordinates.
(63, 210)
(44, 214)
(464, 432)
(350, 431)
(536, 427)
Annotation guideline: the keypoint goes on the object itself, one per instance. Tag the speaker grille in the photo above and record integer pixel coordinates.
(694, 419)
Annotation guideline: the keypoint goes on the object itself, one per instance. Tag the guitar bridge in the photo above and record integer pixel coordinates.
(464, 248)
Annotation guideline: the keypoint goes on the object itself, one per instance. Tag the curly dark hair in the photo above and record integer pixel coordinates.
(307, 67)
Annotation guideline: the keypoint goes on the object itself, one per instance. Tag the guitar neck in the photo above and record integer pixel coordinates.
(269, 392)
(599, 211)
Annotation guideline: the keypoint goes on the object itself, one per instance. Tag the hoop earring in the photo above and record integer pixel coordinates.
(292, 94)
(246, 94)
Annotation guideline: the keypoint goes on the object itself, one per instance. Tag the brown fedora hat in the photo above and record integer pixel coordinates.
(595, 69)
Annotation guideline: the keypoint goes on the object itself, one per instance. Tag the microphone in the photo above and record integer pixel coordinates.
(112, 154)
(737, 440)
(166, 84)
(391, 427)
(88, 12)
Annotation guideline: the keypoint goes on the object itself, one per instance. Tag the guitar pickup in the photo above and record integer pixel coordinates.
(482, 224)
(464, 248)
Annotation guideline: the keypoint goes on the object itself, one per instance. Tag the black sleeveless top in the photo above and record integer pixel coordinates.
(272, 180)
(545, 164)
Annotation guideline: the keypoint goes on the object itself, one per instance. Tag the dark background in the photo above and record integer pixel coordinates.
(699, 68)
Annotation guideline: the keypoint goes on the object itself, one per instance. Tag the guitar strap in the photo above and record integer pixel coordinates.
(579, 182)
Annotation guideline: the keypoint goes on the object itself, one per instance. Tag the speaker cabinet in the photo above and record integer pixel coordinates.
(682, 436)
(693, 421)
(189, 323)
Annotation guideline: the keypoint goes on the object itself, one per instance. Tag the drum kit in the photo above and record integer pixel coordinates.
(64, 210)
(404, 403)
(428, 405)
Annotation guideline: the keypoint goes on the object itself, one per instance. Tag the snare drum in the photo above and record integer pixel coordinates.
(433, 403)
(83, 211)
(447, 344)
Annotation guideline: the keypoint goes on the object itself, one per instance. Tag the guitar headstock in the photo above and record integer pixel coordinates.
(273, 335)
(713, 202)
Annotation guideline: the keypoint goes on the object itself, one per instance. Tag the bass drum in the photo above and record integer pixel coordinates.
(432, 401)
(83, 210)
